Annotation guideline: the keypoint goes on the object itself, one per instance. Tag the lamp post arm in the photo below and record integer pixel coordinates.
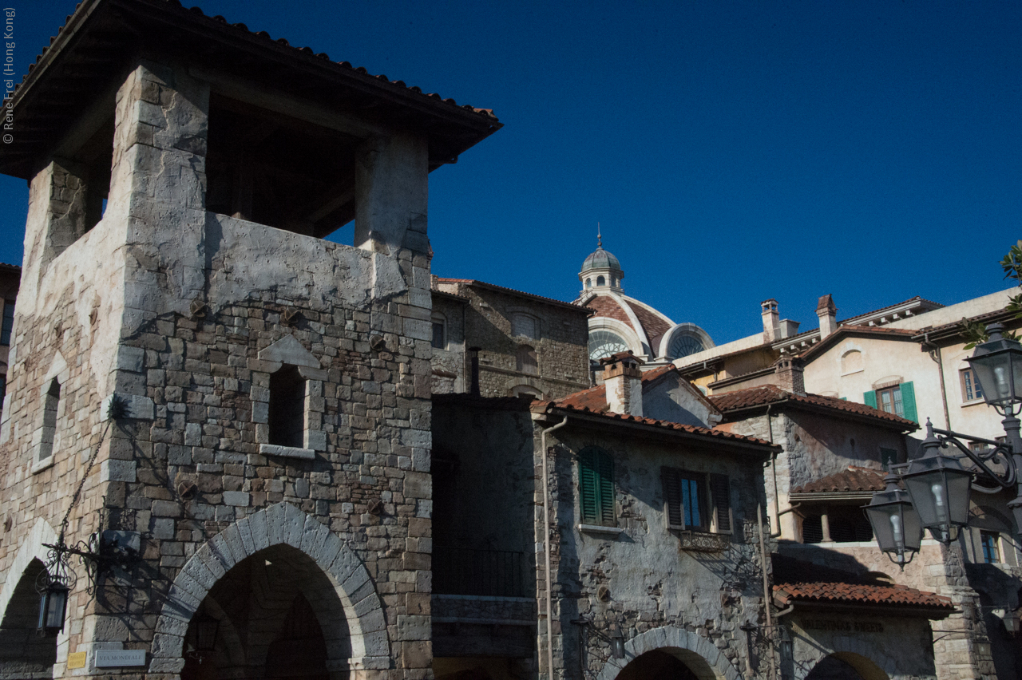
(1008, 481)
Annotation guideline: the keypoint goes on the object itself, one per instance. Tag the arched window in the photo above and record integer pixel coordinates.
(851, 362)
(600, 281)
(683, 344)
(589, 283)
(604, 343)
(526, 391)
(526, 360)
(525, 325)
(49, 440)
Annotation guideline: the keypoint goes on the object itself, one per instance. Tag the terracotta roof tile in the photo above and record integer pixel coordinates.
(608, 307)
(549, 406)
(504, 289)
(896, 595)
(850, 480)
(595, 398)
(770, 394)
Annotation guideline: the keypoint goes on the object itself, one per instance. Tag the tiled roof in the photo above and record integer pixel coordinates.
(654, 326)
(892, 595)
(850, 480)
(512, 291)
(771, 394)
(608, 307)
(197, 13)
(719, 435)
(852, 320)
(595, 398)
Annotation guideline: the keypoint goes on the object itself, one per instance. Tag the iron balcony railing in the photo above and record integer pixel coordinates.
(486, 573)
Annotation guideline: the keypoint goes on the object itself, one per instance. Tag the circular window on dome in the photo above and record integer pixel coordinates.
(605, 343)
(684, 344)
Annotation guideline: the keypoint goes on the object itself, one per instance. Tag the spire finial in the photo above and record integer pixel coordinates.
(599, 239)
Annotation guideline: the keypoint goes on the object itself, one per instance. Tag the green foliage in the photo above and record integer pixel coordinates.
(976, 333)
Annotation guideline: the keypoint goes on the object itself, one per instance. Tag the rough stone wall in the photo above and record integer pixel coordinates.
(449, 368)
(169, 307)
(641, 579)
(561, 344)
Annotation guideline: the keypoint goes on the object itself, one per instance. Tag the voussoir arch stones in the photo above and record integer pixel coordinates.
(864, 656)
(32, 548)
(280, 524)
(700, 655)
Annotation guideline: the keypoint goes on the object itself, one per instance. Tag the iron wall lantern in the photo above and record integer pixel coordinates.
(895, 522)
(997, 364)
(205, 632)
(939, 488)
(52, 609)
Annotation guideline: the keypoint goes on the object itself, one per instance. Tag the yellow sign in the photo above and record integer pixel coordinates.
(76, 660)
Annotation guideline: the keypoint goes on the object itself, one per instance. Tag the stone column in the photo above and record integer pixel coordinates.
(391, 195)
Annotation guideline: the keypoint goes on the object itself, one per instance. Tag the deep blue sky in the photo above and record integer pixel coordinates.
(732, 151)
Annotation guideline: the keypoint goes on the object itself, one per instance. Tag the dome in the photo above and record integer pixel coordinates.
(601, 259)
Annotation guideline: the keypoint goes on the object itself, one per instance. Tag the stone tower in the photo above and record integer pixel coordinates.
(243, 402)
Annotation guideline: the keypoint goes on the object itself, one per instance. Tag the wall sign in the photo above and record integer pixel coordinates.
(117, 658)
(76, 660)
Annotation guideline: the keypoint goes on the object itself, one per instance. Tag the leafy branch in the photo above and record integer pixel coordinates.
(975, 332)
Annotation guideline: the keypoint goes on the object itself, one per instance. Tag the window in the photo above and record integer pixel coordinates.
(693, 505)
(836, 523)
(596, 487)
(526, 360)
(523, 324)
(48, 439)
(888, 457)
(898, 399)
(589, 283)
(971, 389)
(600, 281)
(683, 344)
(287, 408)
(991, 546)
(8, 323)
(605, 343)
(439, 340)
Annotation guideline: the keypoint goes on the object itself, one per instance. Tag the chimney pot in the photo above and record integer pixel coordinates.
(622, 378)
(827, 311)
(771, 320)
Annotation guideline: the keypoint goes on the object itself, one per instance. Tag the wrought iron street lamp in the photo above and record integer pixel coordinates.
(895, 522)
(938, 485)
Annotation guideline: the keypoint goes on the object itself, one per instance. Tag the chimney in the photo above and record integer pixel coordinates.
(622, 378)
(788, 370)
(827, 312)
(771, 321)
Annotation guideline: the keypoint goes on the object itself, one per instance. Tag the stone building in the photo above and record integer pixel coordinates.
(621, 323)
(244, 406)
(653, 542)
(10, 279)
(857, 614)
(497, 342)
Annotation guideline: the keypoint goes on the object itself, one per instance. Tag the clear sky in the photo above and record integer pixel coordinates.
(732, 151)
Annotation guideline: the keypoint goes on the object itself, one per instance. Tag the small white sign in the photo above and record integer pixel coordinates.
(116, 658)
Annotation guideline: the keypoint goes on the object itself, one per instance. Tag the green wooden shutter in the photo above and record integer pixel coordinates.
(720, 487)
(908, 401)
(606, 488)
(589, 486)
(870, 399)
(672, 497)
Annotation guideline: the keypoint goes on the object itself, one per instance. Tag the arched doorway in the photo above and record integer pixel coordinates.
(276, 615)
(658, 665)
(23, 654)
(846, 666)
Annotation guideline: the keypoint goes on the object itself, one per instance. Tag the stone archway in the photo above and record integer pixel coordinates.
(22, 653)
(279, 525)
(847, 655)
(697, 653)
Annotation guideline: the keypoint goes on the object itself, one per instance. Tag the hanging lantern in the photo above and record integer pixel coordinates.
(895, 522)
(52, 608)
(939, 488)
(997, 364)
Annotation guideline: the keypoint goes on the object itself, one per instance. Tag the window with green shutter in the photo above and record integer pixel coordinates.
(596, 487)
(720, 490)
(908, 401)
(870, 399)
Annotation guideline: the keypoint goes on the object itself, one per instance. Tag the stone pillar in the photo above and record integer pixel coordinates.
(391, 194)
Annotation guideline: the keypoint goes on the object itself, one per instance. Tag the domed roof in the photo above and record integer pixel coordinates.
(600, 259)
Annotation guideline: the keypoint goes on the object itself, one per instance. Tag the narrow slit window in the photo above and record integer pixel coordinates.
(287, 408)
(51, 408)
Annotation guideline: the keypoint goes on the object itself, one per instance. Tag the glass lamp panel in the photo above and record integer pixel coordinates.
(1000, 376)
(52, 605)
(959, 485)
(886, 523)
(913, 528)
(929, 497)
